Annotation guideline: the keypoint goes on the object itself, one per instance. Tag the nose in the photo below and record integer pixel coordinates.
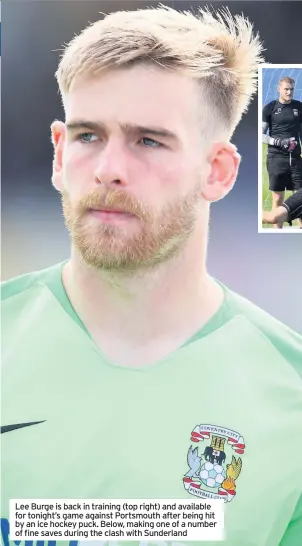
(113, 165)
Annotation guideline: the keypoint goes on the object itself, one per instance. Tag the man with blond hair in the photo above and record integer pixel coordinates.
(282, 118)
(130, 373)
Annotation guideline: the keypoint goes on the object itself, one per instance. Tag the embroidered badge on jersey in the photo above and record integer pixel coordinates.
(296, 113)
(213, 465)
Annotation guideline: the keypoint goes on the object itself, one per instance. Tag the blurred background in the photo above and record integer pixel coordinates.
(266, 268)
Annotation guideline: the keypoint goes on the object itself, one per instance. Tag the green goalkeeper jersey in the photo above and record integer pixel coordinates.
(229, 400)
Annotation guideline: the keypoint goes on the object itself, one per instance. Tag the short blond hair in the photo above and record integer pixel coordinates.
(218, 50)
(287, 80)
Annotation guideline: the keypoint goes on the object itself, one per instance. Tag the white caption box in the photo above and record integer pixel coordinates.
(116, 520)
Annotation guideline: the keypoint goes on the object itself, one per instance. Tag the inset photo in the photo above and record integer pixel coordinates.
(279, 149)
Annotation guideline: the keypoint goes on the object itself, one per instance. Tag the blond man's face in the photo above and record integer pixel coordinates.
(131, 197)
(286, 91)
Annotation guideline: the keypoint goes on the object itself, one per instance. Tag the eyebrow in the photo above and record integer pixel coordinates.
(127, 128)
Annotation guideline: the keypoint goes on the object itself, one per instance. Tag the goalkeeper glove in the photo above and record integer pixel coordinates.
(285, 144)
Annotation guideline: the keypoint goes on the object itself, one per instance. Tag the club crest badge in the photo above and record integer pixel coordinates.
(296, 113)
(214, 465)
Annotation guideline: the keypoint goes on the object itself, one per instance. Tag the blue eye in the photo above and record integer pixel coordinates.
(86, 137)
(154, 143)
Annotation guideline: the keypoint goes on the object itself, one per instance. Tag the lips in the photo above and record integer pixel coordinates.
(111, 215)
(110, 210)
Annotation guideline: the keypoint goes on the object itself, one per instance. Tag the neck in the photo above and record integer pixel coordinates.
(165, 305)
(284, 101)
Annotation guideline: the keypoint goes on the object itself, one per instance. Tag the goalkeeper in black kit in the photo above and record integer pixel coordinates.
(282, 118)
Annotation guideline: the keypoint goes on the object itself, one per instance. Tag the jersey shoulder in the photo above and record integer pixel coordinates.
(22, 283)
(297, 104)
(268, 108)
(283, 339)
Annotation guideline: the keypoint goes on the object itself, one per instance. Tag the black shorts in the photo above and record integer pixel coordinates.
(283, 174)
(293, 206)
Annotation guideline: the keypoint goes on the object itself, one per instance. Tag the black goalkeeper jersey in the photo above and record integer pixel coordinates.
(284, 122)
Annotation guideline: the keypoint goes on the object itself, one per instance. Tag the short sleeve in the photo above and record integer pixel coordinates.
(266, 113)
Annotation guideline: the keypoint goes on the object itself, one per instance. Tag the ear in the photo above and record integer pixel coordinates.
(58, 135)
(224, 162)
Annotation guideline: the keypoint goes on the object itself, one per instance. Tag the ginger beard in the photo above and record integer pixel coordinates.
(158, 235)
